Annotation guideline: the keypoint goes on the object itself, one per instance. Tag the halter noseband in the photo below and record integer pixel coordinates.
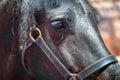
(105, 61)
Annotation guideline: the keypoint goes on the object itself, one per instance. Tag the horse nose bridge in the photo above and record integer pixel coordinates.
(84, 25)
(87, 31)
(95, 42)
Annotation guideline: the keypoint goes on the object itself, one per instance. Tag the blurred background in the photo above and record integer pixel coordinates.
(109, 25)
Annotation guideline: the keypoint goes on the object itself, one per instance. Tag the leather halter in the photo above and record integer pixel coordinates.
(105, 61)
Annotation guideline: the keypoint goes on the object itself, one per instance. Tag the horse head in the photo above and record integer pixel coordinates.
(59, 39)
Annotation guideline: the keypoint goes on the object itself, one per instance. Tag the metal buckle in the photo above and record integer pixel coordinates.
(33, 32)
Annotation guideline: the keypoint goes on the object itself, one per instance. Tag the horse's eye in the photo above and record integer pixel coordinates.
(58, 24)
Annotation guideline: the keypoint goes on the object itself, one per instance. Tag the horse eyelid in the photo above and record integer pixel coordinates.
(58, 24)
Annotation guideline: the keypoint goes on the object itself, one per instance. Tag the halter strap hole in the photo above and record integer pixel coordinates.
(35, 33)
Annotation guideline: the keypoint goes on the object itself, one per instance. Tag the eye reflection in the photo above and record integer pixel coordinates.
(58, 24)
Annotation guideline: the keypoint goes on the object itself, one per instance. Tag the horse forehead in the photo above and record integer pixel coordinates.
(82, 3)
(85, 5)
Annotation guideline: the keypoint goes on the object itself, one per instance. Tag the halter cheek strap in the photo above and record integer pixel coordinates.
(106, 61)
(47, 51)
(27, 44)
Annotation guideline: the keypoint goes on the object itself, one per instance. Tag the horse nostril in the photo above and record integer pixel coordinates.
(35, 33)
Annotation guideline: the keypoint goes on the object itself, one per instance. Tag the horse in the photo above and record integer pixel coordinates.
(53, 40)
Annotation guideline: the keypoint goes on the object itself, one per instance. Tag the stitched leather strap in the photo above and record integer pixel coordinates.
(106, 61)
